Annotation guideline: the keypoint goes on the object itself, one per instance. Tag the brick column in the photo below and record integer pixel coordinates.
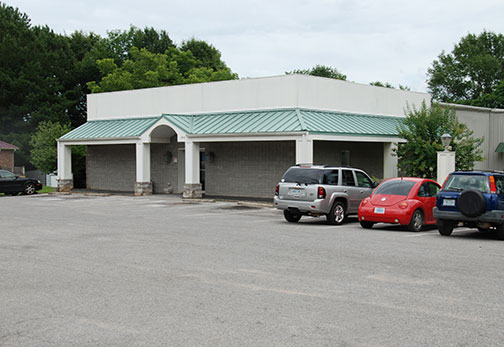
(65, 185)
(143, 188)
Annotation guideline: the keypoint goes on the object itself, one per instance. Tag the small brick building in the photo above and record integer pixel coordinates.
(234, 138)
(7, 155)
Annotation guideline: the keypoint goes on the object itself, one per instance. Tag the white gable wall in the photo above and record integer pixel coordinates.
(288, 91)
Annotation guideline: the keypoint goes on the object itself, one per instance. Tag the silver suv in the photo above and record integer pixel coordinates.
(315, 190)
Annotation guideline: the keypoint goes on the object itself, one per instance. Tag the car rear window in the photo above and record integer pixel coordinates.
(395, 187)
(458, 183)
(301, 175)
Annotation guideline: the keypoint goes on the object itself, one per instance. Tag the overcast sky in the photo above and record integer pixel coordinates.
(368, 40)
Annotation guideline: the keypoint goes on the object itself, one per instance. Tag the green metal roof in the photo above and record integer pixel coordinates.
(113, 128)
(349, 124)
(500, 147)
(243, 122)
(246, 122)
(286, 120)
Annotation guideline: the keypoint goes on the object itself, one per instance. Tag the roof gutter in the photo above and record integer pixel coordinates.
(298, 133)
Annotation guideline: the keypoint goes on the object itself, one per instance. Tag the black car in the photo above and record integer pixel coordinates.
(13, 185)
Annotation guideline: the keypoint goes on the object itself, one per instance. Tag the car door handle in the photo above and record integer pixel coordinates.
(345, 191)
(362, 192)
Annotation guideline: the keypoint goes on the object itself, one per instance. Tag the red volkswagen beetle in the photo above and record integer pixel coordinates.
(404, 200)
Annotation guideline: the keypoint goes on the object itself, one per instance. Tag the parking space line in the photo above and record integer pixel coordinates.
(419, 234)
(217, 212)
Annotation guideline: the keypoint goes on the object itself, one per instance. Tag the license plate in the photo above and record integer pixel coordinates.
(295, 192)
(448, 202)
(379, 210)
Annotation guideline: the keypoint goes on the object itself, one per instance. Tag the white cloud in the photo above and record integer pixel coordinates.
(387, 40)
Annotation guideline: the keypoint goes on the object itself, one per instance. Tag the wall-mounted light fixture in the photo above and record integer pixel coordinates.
(169, 156)
(211, 157)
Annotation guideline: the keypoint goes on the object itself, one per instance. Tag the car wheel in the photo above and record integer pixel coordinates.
(417, 221)
(291, 216)
(366, 224)
(445, 227)
(471, 203)
(29, 189)
(337, 214)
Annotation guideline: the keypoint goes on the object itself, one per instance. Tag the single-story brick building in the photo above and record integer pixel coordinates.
(234, 138)
(7, 156)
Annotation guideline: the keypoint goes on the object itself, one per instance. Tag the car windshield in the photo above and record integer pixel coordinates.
(458, 183)
(301, 175)
(395, 187)
(7, 174)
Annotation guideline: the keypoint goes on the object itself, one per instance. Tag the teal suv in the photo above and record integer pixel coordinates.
(472, 198)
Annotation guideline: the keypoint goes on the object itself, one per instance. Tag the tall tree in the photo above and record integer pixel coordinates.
(321, 71)
(471, 73)
(146, 69)
(206, 55)
(382, 84)
(44, 154)
(35, 63)
(118, 43)
(422, 129)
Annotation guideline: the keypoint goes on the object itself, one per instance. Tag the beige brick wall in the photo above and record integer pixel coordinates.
(111, 167)
(239, 169)
(367, 156)
(250, 169)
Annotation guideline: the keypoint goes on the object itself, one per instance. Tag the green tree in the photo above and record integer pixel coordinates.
(44, 151)
(321, 71)
(146, 69)
(34, 67)
(205, 54)
(471, 73)
(382, 84)
(422, 129)
(118, 43)
(143, 70)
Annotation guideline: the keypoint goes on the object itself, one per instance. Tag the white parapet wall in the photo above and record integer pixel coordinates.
(287, 91)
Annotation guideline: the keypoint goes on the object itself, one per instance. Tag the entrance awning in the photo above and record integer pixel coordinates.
(500, 148)
(274, 122)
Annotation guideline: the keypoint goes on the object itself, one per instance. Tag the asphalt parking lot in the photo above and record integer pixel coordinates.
(80, 270)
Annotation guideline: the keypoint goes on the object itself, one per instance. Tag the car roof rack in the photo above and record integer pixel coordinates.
(310, 164)
(485, 170)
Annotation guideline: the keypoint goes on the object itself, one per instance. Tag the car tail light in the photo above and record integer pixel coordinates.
(321, 194)
(365, 201)
(403, 205)
(277, 189)
(493, 188)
